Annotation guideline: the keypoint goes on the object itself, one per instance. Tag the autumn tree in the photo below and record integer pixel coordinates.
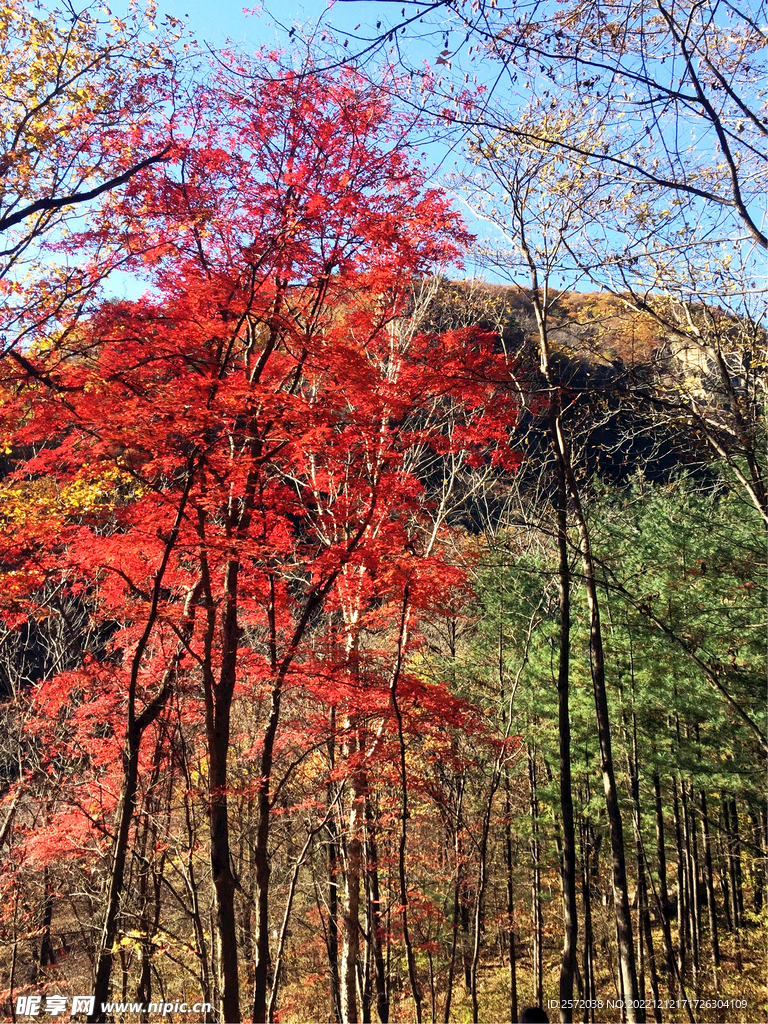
(87, 105)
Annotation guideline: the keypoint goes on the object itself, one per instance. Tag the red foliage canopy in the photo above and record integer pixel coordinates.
(212, 466)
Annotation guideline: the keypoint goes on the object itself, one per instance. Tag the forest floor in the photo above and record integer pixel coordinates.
(742, 984)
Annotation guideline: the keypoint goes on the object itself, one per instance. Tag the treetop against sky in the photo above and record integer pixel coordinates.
(661, 111)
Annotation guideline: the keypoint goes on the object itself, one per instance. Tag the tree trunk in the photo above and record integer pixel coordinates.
(736, 860)
(568, 862)
(661, 855)
(262, 967)
(627, 963)
(221, 871)
(188, 873)
(482, 874)
(47, 955)
(706, 841)
(692, 883)
(116, 878)
(682, 896)
(536, 913)
(722, 862)
(457, 910)
(645, 925)
(218, 707)
(758, 867)
(512, 945)
(620, 895)
(644, 937)
(401, 860)
(148, 909)
(350, 928)
(465, 898)
(376, 926)
(588, 960)
(730, 815)
(333, 922)
(764, 842)
(333, 879)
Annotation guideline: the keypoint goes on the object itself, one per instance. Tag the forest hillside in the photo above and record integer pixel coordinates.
(383, 510)
(418, 821)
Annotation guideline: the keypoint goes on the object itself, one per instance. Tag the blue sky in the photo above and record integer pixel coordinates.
(217, 22)
(223, 20)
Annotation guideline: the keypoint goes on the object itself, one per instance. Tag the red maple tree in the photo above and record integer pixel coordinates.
(213, 467)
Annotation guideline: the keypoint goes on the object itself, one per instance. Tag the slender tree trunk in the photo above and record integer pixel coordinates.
(214, 958)
(736, 848)
(482, 874)
(764, 843)
(353, 847)
(758, 867)
(661, 855)
(247, 873)
(643, 911)
(116, 878)
(364, 985)
(14, 937)
(706, 841)
(512, 945)
(333, 922)
(376, 926)
(456, 917)
(692, 883)
(536, 912)
(734, 871)
(401, 864)
(627, 964)
(589, 941)
(667, 935)
(283, 934)
(432, 988)
(245, 926)
(221, 871)
(314, 600)
(120, 849)
(190, 877)
(682, 899)
(622, 990)
(466, 945)
(333, 879)
(722, 862)
(149, 907)
(262, 967)
(645, 924)
(350, 929)
(218, 712)
(404, 808)
(47, 955)
(568, 862)
(645, 937)
(477, 928)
